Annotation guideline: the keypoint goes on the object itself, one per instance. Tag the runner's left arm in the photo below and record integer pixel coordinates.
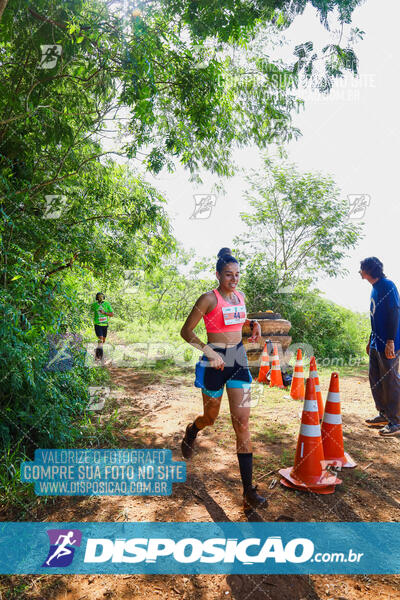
(255, 327)
(110, 313)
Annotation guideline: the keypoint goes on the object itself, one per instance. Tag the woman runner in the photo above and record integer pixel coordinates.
(224, 362)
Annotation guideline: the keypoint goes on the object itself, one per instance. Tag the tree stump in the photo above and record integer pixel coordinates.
(273, 328)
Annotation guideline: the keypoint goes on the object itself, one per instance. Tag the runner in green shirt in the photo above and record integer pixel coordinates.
(101, 311)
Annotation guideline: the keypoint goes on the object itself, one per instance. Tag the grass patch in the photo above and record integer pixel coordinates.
(287, 457)
(15, 590)
(358, 454)
(98, 431)
(13, 492)
(344, 371)
(271, 434)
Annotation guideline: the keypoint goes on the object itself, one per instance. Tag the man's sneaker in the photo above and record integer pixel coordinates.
(253, 500)
(188, 442)
(389, 430)
(377, 421)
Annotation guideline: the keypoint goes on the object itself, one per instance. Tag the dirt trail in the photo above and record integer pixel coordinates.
(153, 411)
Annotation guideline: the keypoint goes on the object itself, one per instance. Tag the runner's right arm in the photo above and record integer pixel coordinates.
(201, 307)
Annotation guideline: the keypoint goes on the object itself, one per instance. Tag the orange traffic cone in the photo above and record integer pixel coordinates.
(314, 375)
(308, 473)
(264, 366)
(276, 374)
(331, 429)
(297, 389)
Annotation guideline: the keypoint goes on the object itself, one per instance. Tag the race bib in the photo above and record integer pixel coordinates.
(102, 318)
(234, 314)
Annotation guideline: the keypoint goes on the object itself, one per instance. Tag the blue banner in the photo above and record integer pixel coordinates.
(200, 548)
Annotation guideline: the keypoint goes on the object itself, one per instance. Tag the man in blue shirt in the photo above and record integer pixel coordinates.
(383, 347)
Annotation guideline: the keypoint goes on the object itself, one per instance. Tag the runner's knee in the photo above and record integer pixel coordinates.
(241, 426)
(211, 411)
(209, 419)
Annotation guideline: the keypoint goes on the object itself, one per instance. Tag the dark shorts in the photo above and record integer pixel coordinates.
(101, 330)
(235, 374)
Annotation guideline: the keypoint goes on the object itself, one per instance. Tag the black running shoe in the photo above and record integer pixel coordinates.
(253, 500)
(390, 430)
(188, 442)
(378, 421)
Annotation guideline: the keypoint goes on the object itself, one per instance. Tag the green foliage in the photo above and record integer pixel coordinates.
(98, 432)
(109, 218)
(36, 404)
(299, 225)
(12, 490)
(299, 228)
(152, 64)
(239, 21)
(166, 293)
(332, 330)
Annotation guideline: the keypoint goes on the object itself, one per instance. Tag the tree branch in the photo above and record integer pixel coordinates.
(113, 217)
(68, 265)
(24, 114)
(46, 19)
(56, 180)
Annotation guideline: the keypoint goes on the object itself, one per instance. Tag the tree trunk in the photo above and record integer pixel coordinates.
(3, 4)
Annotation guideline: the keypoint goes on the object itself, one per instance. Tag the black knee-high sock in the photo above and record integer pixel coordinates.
(193, 430)
(246, 468)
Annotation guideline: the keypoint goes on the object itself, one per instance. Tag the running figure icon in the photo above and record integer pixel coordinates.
(62, 549)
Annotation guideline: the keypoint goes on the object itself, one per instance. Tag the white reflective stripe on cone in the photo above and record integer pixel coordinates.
(317, 388)
(299, 363)
(310, 430)
(311, 406)
(275, 368)
(332, 419)
(313, 374)
(298, 375)
(333, 397)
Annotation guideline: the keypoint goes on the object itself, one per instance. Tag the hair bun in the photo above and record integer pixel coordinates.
(224, 252)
